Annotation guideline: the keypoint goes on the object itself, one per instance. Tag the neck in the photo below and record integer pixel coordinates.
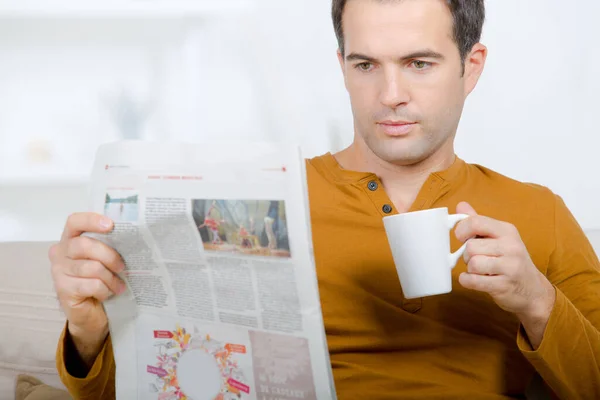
(402, 183)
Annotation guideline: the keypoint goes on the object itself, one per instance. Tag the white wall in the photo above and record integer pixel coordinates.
(273, 74)
(533, 115)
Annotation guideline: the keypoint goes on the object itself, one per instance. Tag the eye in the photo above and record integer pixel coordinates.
(421, 65)
(364, 66)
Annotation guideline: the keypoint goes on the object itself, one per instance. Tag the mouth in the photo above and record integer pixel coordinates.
(396, 128)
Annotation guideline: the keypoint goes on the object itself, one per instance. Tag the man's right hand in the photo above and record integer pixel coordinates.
(84, 273)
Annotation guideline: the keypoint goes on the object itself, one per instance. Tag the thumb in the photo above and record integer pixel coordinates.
(465, 208)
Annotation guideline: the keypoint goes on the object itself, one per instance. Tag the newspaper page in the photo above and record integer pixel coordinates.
(222, 300)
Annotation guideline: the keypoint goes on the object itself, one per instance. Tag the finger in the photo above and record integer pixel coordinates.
(53, 252)
(85, 248)
(83, 289)
(484, 265)
(481, 226)
(481, 283)
(465, 208)
(483, 247)
(90, 269)
(94, 288)
(79, 223)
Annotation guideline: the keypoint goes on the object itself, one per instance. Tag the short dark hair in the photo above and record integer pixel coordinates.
(469, 16)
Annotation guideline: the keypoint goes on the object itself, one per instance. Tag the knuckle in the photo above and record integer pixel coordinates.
(474, 265)
(497, 248)
(471, 247)
(58, 268)
(71, 247)
(52, 251)
(475, 222)
(514, 247)
(72, 220)
(85, 244)
(463, 227)
(512, 229)
(94, 268)
(78, 270)
(80, 247)
(96, 287)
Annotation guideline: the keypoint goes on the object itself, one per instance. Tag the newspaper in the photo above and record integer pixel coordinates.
(222, 300)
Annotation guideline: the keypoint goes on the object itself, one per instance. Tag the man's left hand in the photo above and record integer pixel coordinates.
(498, 263)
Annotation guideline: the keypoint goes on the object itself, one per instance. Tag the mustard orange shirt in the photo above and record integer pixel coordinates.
(455, 346)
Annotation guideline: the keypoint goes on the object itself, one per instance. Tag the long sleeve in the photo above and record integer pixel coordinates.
(568, 358)
(99, 384)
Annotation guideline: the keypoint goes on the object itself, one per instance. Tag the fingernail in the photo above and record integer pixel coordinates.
(105, 223)
(122, 288)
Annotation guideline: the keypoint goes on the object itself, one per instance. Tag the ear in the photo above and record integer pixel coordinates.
(340, 59)
(342, 65)
(474, 64)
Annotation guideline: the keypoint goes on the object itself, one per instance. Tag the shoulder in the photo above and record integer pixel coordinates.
(497, 187)
(320, 174)
(317, 165)
(531, 207)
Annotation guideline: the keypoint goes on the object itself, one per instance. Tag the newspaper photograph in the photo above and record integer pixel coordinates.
(251, 227)
(222, 299)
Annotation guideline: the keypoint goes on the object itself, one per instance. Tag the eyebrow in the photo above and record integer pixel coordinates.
(411, 56)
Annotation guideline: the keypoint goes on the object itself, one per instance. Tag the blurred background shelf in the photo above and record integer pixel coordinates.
(119, 8)
(42, 179)
(75, 74)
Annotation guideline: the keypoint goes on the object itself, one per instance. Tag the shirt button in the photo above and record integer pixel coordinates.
(373, 186)
(387, 209)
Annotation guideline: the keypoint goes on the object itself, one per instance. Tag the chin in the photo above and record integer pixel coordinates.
(401, 152)
(405, 161)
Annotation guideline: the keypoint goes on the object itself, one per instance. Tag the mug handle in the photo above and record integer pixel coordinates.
(452, 221)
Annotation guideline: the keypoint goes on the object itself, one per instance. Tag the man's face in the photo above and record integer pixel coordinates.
(404, 75)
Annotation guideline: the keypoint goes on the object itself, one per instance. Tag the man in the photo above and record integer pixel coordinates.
(526, 297)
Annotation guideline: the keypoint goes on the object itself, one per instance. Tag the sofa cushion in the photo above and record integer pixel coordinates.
(30, 388)
(30, 318)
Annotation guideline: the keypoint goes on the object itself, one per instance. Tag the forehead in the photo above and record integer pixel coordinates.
(392, 26)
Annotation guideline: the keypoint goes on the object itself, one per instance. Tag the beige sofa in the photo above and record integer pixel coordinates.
(30, 316)
(31, 320)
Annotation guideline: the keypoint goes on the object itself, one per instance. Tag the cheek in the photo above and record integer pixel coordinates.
(363, 96)
(437, 95)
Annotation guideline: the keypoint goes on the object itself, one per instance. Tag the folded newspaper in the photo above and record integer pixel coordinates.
(222, 300)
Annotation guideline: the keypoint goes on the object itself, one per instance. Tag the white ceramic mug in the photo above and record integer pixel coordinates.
(420, 244)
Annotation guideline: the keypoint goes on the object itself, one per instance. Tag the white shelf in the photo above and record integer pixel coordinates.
(43, 179)
(119, 8)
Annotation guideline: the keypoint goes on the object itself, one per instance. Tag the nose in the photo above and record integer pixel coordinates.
(394, 92)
